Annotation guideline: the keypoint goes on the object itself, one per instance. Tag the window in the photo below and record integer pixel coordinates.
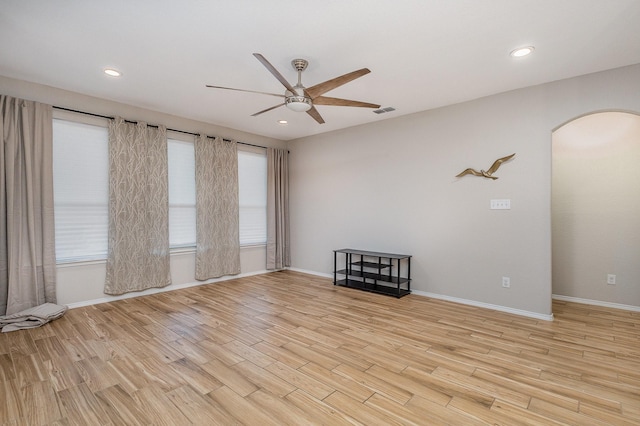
(81, 190)
(252, 191)
(182, 194)
(252, 194)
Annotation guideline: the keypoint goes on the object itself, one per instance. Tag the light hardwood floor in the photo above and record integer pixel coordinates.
(289, 348)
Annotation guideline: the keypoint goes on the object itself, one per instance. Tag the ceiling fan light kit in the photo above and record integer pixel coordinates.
(298, 103)
(301, 99)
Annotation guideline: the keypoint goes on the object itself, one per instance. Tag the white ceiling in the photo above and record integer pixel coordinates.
(422, 54)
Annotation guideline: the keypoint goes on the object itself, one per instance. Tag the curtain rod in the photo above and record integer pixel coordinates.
(150, 125)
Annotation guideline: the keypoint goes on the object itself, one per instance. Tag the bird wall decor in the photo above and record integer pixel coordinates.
(489, 173)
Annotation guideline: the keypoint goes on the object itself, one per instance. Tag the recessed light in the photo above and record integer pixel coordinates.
(522, 51)
(282, 121)
(112, 72)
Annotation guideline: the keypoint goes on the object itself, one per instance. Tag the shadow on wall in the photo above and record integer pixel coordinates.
(595, 204)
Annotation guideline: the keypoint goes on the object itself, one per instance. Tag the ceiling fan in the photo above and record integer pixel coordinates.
(303, 99)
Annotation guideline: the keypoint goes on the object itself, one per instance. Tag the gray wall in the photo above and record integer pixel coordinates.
(390, 186)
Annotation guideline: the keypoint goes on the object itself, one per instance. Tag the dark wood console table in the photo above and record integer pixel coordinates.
(373, 271)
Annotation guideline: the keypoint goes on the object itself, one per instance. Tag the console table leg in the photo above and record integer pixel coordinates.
(335, 268)
(398, 294)
(409, 274)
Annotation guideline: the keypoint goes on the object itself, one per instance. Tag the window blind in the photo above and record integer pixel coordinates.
(182, 194)
(81, 190)
(252, 183)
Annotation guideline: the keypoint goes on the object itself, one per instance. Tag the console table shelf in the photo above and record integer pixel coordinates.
(373, 271)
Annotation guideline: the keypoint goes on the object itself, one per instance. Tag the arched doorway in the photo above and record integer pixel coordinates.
(595, 209)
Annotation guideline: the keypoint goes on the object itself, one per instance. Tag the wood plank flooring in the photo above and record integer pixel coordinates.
(289, 348)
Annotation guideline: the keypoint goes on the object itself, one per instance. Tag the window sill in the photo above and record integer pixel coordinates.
(173, 252)
(73, 263)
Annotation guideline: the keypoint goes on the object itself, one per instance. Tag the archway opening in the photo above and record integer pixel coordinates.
(595, 209)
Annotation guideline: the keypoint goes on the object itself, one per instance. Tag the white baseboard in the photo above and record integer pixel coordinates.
(596, 303)
(172, 287)
(317, 274)
(454, 299)
(107, 299)
(485, 305)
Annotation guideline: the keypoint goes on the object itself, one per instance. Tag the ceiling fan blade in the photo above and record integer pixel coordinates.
(268, 109)
(313, 112)
(319, 89)
(275, 72)
(243, 90)
(324, 100)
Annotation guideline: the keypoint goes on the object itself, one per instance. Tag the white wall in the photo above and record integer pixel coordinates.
(80, 283)
(390, 186)
(596, 208)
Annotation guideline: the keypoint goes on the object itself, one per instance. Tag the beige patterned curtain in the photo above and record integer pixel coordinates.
(138, 208)
(27, 245)
(278, 245)
(217, 211)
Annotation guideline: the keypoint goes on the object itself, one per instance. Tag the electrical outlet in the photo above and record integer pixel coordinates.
(506, 282)
(611, 279)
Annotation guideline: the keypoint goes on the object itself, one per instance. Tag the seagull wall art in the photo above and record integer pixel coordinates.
(489, 173)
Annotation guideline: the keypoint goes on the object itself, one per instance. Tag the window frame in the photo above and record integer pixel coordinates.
(260, 151)
(84, 119)
(181, 137)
